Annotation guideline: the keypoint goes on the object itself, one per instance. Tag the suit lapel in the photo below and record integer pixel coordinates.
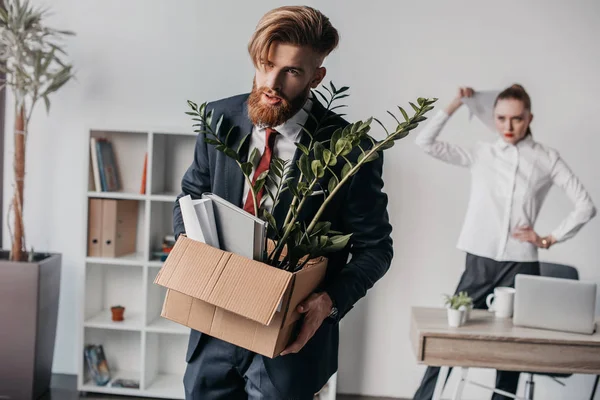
(233, 173)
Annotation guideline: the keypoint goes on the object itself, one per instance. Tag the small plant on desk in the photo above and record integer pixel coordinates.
(466, 304)
(456, 309)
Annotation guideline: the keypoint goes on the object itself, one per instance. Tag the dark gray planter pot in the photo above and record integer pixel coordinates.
(29, 294)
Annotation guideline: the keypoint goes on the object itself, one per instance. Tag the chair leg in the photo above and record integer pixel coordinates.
(595, 387)
(441, 382)
(461, 384)
(529, 387)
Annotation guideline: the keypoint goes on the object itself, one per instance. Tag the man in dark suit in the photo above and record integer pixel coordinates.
(288, 48)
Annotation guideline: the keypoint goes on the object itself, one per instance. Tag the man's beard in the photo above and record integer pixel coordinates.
(273, 115)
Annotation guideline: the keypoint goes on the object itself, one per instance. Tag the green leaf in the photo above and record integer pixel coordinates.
(335, 138)
(242, 142)
(414, 107)
(332, 87)
(412, 126)
(333, 182)
(387, 145)
(230, 153)
(404, 114)
(318, 149)
(212, 141)
(373, 156)
(219, 122)
(347, 148)
(317, 168)
(428, 108)
(302, 188)
(254, 156)
(346, 169)
(338, 242)
(304, 166)
(322, 96)
(401, 135)
(321, 228)
(247, 168)
(383, 126)
(420, 118)
(270, 219)
(47, 102)
(263, 175)
(303, 148)
(328, 158)
(365, 125)
(421, 100)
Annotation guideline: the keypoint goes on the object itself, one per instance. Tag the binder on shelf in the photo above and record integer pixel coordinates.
(112, 227)
(119, 227)
(95, 228)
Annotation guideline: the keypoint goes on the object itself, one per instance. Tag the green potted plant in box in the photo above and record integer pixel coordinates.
(317, 163)
(31, 59)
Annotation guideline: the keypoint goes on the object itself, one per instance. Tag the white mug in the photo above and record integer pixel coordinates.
(501, 301)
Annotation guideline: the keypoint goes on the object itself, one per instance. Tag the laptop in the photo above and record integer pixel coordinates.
(555, 303)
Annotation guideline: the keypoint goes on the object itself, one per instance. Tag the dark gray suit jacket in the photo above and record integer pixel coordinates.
(360, 207)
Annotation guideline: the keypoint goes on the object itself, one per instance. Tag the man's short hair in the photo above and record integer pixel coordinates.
(294, 25)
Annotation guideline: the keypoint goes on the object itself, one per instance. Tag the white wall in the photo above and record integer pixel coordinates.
(139, 61)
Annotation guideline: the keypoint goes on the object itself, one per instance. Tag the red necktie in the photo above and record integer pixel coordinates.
(263, 165)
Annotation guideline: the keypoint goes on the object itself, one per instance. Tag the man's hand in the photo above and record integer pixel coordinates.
(315, 309)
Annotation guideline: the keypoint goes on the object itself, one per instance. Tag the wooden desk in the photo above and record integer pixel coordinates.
(489, 342)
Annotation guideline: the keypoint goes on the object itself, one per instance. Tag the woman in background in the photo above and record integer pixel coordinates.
(510, 179)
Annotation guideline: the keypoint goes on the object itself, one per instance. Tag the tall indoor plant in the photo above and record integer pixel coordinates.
(31, 58)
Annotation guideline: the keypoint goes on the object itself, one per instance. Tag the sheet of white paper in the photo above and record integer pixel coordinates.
(190, 219)
(199, 220)
(481, 104)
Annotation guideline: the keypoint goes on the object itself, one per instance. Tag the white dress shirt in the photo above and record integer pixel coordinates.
(509, 184)
(284, 148)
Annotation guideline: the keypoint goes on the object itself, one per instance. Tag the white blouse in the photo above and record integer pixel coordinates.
(509, 184)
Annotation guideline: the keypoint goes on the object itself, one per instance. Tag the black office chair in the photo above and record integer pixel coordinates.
(554, 271)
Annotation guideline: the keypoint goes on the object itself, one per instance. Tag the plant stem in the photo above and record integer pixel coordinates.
(288, 228)
(352, 171)
(19, 168)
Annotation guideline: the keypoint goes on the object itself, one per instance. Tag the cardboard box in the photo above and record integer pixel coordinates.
(241, 301)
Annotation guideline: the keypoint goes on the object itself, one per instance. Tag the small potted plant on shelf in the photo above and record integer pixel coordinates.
(117, 313)
(455, 313)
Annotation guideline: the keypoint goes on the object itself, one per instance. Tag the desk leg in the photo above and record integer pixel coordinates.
(461, 384)
(441, 382)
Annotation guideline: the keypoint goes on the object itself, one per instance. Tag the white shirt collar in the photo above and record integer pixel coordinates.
(526, 141)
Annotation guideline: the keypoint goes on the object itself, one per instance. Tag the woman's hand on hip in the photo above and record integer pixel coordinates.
(527, 234)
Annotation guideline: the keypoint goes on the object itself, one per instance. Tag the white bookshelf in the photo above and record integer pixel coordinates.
(144, 347)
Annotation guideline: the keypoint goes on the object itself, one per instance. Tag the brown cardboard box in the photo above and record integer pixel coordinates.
(241, 301)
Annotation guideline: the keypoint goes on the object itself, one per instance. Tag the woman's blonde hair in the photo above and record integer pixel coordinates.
(295, 25)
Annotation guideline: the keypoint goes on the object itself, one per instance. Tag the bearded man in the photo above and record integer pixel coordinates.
(287, 49)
